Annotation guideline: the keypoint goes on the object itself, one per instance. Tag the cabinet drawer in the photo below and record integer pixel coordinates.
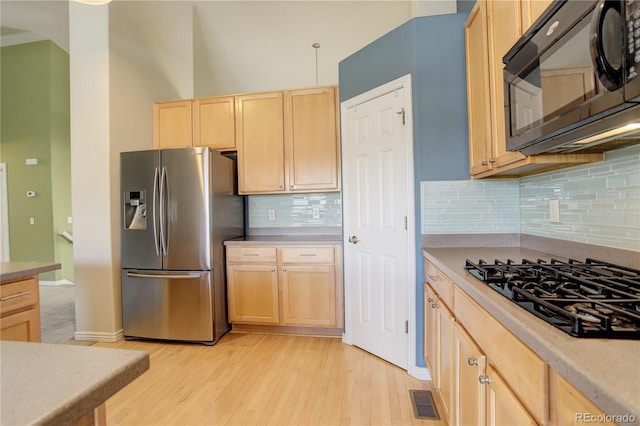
(251, 254)
(440, 283)
(307, 254)
(525, 372)
(19, 294)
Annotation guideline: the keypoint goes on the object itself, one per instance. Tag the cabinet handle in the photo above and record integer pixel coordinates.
(484, 380)
(307, 254)
(14, 296)
(492, 160)
(251, 254)
(472, 361)
(430, 299)
(434, 306)
(485, 163)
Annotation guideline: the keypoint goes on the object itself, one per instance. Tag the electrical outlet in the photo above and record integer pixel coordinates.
(316, 212)
(32, 221)
(272, 214)
(554, 211)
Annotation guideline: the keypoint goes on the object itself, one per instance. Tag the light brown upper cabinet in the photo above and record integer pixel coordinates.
(172, 124)
(214, 123)
(208, 122)
(492, 28)
(287, 141)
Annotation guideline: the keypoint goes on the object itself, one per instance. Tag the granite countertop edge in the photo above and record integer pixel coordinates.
(16, 270)
(574, 358)
(94, 375)
(285, 240)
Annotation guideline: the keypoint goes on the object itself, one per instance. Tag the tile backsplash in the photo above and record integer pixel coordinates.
(296, 210)
(470, 207)
(599, 203)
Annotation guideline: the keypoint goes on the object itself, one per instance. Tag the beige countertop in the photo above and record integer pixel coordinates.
(46, 384)
(285, 240)
(10, 271)
(607, 371)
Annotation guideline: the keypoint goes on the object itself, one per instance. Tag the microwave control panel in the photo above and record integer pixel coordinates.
(633, 38)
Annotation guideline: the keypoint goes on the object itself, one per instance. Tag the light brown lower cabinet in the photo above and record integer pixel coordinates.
(285, 286)
(495, 379)
(20, 310)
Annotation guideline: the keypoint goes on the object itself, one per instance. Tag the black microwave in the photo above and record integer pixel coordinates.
(571, 81)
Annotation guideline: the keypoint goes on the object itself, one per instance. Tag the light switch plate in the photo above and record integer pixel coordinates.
(554, 211)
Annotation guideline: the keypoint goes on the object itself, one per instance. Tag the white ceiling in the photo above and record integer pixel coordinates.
(24, 21)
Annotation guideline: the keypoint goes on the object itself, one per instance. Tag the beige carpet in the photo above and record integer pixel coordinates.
(58, 315)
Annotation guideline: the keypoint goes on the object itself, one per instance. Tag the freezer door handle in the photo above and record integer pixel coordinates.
(185, 276)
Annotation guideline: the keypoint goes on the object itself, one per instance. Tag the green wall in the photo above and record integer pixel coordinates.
(35, 124)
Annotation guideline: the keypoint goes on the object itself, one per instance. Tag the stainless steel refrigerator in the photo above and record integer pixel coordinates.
(178, 206)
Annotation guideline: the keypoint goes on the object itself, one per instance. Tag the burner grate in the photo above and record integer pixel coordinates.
(585, 299)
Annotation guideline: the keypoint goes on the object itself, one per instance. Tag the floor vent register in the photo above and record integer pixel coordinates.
(423, 405)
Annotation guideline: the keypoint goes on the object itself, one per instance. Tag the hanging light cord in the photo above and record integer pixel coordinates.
(316, 46)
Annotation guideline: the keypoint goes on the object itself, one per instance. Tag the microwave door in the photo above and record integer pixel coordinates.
(632, 49)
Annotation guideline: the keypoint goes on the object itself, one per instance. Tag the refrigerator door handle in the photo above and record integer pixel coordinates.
(164, 234)
(181, 276)
(156, 242)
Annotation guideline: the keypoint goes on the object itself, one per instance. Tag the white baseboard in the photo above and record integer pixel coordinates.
(420, 373)
(96, 336)
(58, 282)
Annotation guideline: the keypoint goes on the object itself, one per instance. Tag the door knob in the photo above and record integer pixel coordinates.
(354, 239)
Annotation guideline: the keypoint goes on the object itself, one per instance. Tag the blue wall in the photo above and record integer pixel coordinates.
(431, 49)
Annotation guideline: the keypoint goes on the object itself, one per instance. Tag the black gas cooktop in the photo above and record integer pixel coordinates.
(585, 299)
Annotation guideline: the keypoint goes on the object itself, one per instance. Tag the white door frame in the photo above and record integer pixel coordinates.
(4, 214)
(400, 83)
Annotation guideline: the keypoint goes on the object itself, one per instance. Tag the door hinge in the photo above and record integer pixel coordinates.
(405, 223)
(401, 112)
(406, 327)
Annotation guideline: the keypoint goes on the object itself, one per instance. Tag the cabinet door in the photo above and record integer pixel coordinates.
(308, 295)
(312, 153)
(22, 327)
(260, 143)
(503, 408)
(431, 334)
(253, 293)
(478, 105)
(504, 30)
(470, 395)
(446, 359)
(214, 123)
(531, 10)
(568, 406)
(172, 124)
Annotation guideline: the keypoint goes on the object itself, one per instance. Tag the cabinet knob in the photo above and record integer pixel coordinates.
(280, 186)
(284, 269)
(484, 380)
(485, 163)
(430, 299)
(472, 361)
(434, 306)
(273, 269)
(292, 187)
(492, 160)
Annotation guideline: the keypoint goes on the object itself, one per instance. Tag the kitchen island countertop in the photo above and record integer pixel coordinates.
(607, 371)
(47, 384)
(11, 271)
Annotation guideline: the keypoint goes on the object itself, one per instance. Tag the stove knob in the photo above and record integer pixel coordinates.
(472, 361)
(484, 380)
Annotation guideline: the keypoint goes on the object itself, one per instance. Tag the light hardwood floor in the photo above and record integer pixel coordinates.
(256, 379)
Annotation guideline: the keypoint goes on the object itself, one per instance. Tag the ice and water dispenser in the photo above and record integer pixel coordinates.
(135, 210)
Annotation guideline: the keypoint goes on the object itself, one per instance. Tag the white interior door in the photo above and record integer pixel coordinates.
(378, 230)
